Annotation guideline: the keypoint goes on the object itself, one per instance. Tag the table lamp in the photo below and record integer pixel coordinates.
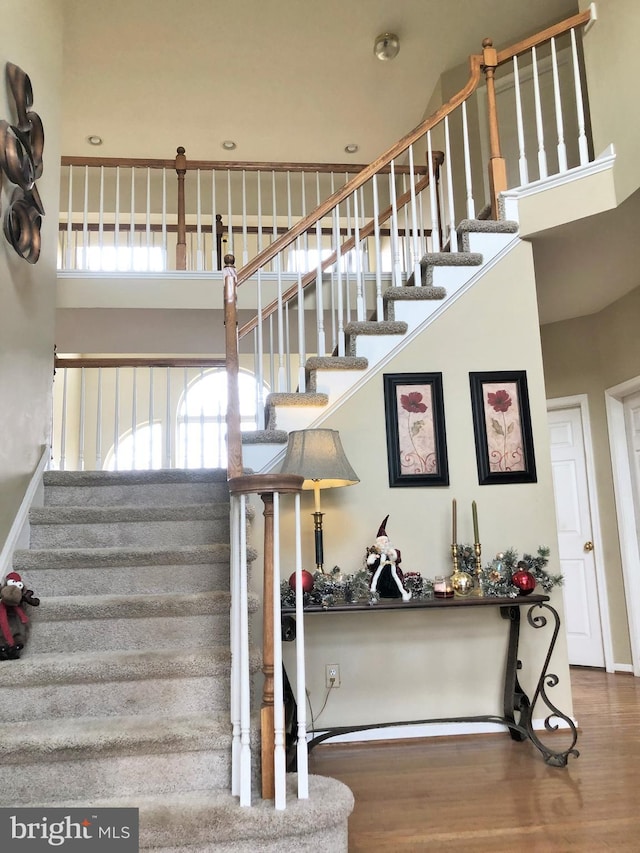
(318, 456)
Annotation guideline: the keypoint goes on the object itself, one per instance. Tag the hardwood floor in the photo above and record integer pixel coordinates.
(481, 793)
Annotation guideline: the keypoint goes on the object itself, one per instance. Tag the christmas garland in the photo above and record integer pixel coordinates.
(336, 587)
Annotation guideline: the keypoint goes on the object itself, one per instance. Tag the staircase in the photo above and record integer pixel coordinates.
(121, 696)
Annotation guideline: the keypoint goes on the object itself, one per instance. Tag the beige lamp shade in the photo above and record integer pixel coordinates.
(318, 456)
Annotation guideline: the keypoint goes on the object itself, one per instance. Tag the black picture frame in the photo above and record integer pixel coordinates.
(502, 427)
(417, 444)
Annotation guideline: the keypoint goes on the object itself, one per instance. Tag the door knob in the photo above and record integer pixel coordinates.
(588, 546)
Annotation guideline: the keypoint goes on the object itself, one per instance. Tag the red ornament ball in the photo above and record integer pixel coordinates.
(307, 581)
(524, 580)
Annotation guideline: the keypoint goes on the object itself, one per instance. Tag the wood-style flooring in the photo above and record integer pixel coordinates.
(488, 794)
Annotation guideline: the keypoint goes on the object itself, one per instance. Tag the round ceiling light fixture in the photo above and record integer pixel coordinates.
(229, 145)
(94, 140)
(386, 46)
(351, 148)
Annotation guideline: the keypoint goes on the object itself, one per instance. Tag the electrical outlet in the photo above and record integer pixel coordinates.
(332, 673)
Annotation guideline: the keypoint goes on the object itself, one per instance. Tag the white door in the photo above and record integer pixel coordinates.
(575, 545)
(632, 426)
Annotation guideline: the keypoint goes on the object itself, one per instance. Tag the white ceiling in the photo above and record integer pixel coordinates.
(296, 80)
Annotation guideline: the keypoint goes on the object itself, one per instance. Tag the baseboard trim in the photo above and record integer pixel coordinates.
(423, 730)
(18, 536)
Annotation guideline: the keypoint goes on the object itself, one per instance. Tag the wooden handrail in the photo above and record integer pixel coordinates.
(138, 361)
(551, 32)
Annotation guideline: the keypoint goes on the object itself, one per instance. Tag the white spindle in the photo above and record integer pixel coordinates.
(168, 422)
(319, 294)
(63, 422)
(279, 753)
(562, 148)
(259, 345)
(339, 333)
(522, 154)
(303, 201)
(334, 271)
(199, 250)
(259, 188)
(147, 248)
(277, 261)
(289, 216)
(471, 208)
(230, 215)
(70, 261)
(85, 222)
(185, 423)
(151, 418)
(453, 236)
(245, 676)
(302, 376)
(282, 381)
(134, 416)
(407, 244)
(81, 421)
(99, 423)
(287, 344)
(245, 239)
(301, 678)
(132, 222)
(116, 221)
(542, 154)
(378, 250)
(395, 243)
(165, 250)
(360, 306)
(214, 232)
(433, 197)
(202, 422)
(101, 219)
(583, 147)
(415, 245)
(272, 372)
(116, 421)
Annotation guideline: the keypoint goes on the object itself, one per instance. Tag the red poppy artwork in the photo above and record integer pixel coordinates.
(504, 430)
(415, 429)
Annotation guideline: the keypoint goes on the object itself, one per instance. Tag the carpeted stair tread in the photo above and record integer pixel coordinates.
(62, 608)
(69, 558)
(89, 667)
(291, 398)
(107, 478)
(86, 737)
(487, 226)
(371, 327)
(347, 362)
(126, 514)
(265, 436)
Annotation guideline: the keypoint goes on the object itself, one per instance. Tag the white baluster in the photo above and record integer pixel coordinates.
(319, 294)
(279, 754)
(116, 421)
(214, 211)
(85, 222)
(199, 249)
(339, 333)
(259, 371)
(147, 250)
(471, 208)
(169, 423)
(522, 154)
(415, 245)
(81, 421)
(165, 248)
(360, 307)
(151, 419)
(230, 215)
(395, 243)
(301, 678)
(583, 146)
(378, 251)
(348, 267)
(433, 198)
(259, 212)
(562, 148)
(245, 241)
(116, 222)
(70, 260)
(542, 154)
(334, 241)
(63, 422)
(245, 675)
(453, 236)
(132, 222)
(185, 389)
(134, 416)
(99, 423)
(302, 376)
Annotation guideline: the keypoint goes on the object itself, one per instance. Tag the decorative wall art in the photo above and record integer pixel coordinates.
(416, 438)
(502, 426)
(21, 146)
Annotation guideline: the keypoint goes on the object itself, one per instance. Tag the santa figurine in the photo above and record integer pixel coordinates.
(384, 561)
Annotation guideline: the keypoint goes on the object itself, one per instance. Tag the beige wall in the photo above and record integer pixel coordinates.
(586, 356)
(32, 39)
(412, 665)
(610, 48)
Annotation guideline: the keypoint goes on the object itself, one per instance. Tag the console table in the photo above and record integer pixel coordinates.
(517, 707)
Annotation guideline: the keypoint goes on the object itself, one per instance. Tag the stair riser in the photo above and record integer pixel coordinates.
(205, 694)
(159, 494)
(488, 245)
(145, 534)
(94, 777)
(94, 635)
(135, 580)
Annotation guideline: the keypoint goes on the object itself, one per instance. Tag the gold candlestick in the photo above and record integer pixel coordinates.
(478, 552)
(454, 556)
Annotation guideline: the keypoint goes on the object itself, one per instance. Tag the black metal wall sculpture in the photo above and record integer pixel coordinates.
(21, 146)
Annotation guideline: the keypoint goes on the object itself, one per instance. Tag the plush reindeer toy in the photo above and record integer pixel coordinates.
(14, 622)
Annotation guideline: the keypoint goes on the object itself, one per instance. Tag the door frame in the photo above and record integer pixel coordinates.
(624, 502)
(581, 402)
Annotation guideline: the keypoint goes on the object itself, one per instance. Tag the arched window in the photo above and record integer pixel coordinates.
(201, 427)
(139, 450)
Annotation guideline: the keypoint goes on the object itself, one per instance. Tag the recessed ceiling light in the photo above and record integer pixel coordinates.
(351, 149)
(94, 140)
(229, 145)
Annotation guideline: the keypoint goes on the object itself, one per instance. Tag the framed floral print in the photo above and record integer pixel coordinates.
(416, 438)
(502, 427)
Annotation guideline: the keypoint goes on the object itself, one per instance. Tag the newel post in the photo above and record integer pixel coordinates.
(181, 248)
(234, 437)
(497, 168)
